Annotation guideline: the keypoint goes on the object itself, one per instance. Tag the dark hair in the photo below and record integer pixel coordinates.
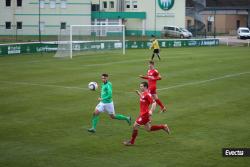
(145, 84)
(151, 62)
(152, 36)
(105, 75)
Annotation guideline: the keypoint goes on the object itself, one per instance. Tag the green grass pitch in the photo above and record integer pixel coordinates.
(46, 108)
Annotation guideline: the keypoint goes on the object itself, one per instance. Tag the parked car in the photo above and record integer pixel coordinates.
(243, 33)
(177, 32)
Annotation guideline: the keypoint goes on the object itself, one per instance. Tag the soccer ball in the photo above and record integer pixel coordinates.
(93, 86)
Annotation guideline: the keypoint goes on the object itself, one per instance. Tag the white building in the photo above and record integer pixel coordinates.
(142, 17)
(22, 17)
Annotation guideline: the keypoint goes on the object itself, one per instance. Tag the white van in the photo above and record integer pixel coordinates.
(243, 33)
(177, 32)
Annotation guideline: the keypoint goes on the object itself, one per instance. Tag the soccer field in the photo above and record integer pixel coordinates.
(46, 109)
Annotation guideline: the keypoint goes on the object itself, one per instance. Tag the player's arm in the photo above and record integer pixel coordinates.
(138, 92)
(154, 78)
(153, 107)
(158, 45)
(152, 45)
(152, 102)
(143, 77)
(99, 98)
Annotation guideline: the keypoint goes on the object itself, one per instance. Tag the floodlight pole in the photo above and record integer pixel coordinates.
(99, 20)
(155, 19)
(123, 39)
(71, 42)
(39, 20)
(214, 18)
(214, 23)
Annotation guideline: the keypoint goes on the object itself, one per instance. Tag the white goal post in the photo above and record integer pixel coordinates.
(82, 39)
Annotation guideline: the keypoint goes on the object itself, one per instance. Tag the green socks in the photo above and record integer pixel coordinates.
(94, 121)
(121, 117)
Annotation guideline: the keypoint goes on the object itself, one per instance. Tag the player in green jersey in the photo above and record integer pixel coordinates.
(106, 104)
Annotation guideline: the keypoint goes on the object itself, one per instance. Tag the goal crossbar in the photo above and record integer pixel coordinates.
(101, 27)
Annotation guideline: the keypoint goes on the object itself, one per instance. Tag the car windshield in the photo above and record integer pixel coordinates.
(245, 31)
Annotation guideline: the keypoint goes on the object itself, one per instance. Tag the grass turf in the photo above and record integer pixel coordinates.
(45, 109)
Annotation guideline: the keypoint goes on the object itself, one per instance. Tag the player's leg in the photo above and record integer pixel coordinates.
(94, 121)
(148, 126)
(121, 117)
(158, 101)
(158, 54)
(131, 142)
(151, 128)
(99, 108)
(152, 91)
(153, 55)
(109, 107)
(142, 120)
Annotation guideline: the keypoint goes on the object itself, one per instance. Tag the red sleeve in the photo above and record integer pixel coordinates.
(145, 77)
(150, 98)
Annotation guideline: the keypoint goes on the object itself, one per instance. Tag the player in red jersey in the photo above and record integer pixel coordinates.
(152, 76)
(144, 119)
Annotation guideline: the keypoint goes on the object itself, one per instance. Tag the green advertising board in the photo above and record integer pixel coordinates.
(15, 49)
(174, 43)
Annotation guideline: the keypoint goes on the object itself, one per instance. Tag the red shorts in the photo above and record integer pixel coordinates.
(152, 91)
(142, 120)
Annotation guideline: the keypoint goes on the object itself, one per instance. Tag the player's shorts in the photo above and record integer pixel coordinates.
(152, 90)
(108, 107)
(156, 51)
(143, 120)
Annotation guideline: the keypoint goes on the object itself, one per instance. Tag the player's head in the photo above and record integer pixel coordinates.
(151, 64)
(104, 77)
(143, 86)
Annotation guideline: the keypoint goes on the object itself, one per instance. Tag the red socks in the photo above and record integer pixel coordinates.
(153, 128)
(134, 134)
(159, 103)
(156, 127)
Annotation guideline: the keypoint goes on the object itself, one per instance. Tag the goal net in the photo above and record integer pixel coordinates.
(84, 39)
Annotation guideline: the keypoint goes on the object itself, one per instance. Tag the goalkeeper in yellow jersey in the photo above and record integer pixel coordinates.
(156, 47)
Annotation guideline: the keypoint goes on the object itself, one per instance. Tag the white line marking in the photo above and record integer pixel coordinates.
(44, 85)
(205, 81)
(167, 88)
(117, 62)
(25, 62)
(89, 65)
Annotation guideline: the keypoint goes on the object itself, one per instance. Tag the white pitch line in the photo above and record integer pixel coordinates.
(116, 62)
(43, 85)
(24, 62)
(89, 65)
(167, 88)
(205, 81)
